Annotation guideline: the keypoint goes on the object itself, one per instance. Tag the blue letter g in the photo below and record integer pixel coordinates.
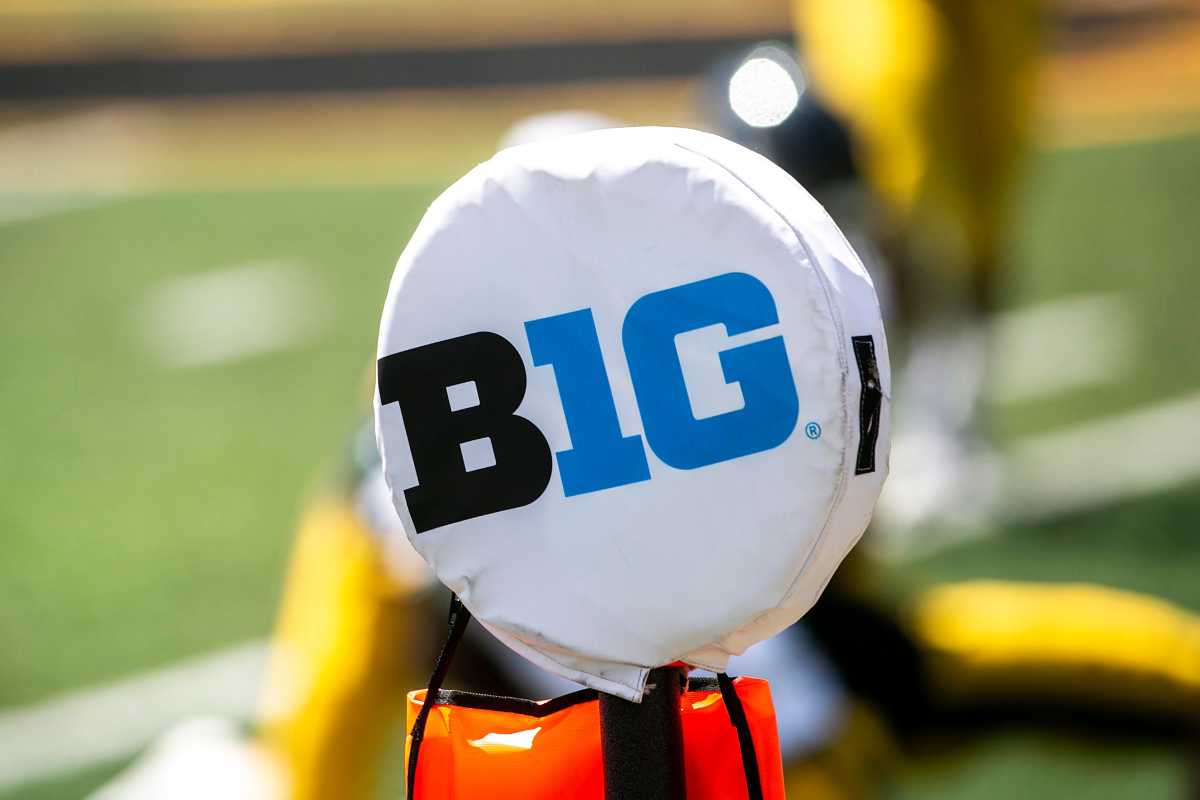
(741, 303)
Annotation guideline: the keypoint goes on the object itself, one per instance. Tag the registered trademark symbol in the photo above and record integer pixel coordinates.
(812, 430)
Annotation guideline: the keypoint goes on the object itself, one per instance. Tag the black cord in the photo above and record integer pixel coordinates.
(737, 716)
(459, 617)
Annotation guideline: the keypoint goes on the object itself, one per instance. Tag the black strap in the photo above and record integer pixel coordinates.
(459, 617)
(515, 705)
(870, 403)
(737, 716)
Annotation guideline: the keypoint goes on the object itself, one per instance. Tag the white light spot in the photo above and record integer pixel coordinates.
(477, 454)
(463, 395)
(762, 92)
(506, 742)
(1074, 343)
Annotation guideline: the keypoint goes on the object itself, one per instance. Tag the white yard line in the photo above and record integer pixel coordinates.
(231, 313)
(1077, 343)
(1126, 456)
(95, 725)
(26, 207)
(1122, 457)
(1049, 348)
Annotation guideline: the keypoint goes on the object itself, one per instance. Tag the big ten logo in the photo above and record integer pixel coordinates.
(461, 395)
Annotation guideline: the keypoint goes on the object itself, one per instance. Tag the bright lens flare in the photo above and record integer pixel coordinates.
(762, 92)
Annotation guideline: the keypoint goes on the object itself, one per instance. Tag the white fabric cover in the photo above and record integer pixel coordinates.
(693, 565)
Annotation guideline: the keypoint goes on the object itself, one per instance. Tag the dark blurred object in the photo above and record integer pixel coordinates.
(761, 99)
(358, 70)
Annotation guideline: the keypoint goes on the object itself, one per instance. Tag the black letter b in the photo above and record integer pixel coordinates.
(446, 492)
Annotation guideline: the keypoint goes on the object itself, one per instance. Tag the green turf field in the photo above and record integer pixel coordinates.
(146, 509)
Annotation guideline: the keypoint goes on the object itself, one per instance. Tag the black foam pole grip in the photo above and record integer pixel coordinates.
(643, 742)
